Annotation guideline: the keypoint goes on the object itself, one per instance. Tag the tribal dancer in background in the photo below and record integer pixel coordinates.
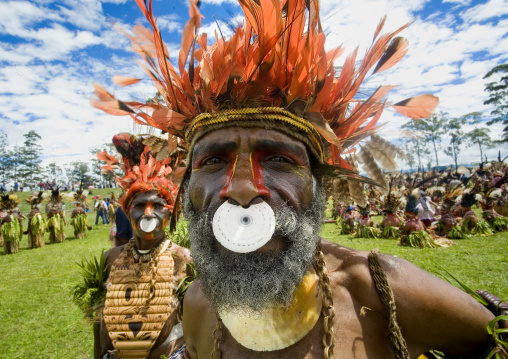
(36, 222)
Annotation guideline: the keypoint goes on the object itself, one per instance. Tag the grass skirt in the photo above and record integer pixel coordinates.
(367, 232)
(56, 226)
(422, 239)
(80, 224)
(12, 232)
(390, 232)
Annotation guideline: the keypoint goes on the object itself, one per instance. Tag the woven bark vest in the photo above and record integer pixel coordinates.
(132, 325)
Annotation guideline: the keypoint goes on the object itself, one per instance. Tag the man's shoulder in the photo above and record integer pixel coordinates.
(112, 254)
(352, 265)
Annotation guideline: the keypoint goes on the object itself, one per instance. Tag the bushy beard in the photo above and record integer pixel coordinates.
(256, 280)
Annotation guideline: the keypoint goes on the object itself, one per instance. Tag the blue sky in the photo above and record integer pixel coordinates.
(52, 51)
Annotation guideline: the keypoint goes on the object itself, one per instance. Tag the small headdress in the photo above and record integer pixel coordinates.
(142, 172)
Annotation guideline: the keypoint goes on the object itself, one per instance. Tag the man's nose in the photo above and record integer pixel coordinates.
(244, 183)
(148, 209)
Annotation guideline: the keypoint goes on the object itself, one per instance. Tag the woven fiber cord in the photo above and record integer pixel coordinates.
(397, 342)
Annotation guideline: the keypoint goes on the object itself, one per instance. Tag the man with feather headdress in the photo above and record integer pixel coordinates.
(251, 113)
(141, 317)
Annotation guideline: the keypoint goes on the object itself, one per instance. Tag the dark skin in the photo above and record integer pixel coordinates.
(150, 205)
(432, 313)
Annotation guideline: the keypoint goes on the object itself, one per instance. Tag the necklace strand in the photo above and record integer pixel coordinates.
(150, 260)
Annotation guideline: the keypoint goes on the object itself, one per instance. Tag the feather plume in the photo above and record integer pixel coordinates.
(385, 159)
(372, 169)
(387, 147)
(356, 189)
(417, 107)
(394, 53)
(124, 80)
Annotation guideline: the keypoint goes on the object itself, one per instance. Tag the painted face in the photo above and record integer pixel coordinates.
(246, 166)
(148, 214)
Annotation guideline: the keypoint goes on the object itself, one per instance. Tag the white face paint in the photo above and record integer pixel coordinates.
(148, 225)
(243, 230)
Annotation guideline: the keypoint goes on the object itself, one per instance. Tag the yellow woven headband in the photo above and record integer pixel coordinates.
(274, 118)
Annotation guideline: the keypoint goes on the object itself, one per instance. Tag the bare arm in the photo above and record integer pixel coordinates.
(434, 314)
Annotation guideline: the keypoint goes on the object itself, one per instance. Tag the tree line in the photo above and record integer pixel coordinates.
(424, 138)
(23, 165)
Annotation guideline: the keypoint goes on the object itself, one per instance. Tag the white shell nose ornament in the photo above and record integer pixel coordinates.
(148, 225)
(243, 230)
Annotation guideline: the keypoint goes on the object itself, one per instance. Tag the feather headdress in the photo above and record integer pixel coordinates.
(142, 172)
(35, 200)
(273, 69)
(9, 202)
(80, 195)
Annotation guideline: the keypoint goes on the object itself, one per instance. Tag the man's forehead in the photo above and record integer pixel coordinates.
(229, 139)
(144, 196)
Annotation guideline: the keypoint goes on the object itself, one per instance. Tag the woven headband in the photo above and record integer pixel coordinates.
(273, 118)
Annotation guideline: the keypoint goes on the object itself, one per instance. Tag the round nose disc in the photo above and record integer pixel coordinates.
(243, 230)
(148, 225)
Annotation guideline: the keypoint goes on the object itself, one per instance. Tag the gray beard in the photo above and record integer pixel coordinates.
(255, 280)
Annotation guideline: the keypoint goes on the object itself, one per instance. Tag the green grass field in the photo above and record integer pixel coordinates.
(39, 320)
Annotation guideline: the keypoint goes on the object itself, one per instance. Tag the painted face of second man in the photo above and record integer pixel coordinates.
(148, 214)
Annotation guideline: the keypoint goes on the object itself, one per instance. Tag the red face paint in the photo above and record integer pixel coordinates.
(257, 173)
(148, 209)
(229, 175)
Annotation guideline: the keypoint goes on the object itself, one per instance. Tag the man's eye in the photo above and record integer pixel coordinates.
(281, 159)
(212, 161)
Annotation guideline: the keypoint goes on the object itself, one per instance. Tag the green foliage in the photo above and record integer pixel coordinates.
(482, 228)
(498, 96)
(457, 232)
(390, 232)
(79, 171)
(186, 282)
(420, 239)
(415, 145)
(453, 128)
(499, 224)
(92, 291)
(12, 231)
(30, 156)
(181, 234)
(431, 129)
(499, 348)
(38, 224)
(367, 232)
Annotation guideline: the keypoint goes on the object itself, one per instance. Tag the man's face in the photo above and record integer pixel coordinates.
(148, 214)
(247, 166)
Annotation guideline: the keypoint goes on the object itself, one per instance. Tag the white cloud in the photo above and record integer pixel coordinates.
(492, 9)
(169, 23)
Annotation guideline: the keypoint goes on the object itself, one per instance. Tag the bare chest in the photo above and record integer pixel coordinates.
(356, 333)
